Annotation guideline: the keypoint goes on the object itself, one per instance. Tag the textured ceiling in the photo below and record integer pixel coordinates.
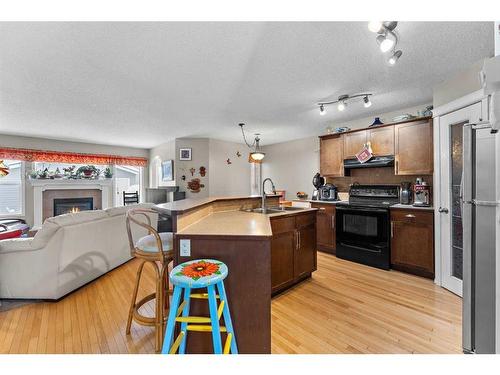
(141, 84)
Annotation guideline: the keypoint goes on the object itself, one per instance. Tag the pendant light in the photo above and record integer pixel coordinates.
(322, 110)
(4, 170)
(257, 153)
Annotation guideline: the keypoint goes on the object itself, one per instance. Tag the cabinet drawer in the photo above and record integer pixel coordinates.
(328, 209)
(413, 216)
(282, 224)
(305, 220)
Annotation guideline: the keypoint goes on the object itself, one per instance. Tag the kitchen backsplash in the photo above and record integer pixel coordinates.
(383, 175)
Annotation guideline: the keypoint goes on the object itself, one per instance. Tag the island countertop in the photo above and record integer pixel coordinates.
(237, 223)
(191, 203)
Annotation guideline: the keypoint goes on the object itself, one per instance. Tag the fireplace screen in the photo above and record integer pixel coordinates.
(72, 205)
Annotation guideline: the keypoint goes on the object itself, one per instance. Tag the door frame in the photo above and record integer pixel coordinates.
(438, 112)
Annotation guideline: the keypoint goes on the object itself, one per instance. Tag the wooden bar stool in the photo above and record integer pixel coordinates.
(157, 250)
(196, 274)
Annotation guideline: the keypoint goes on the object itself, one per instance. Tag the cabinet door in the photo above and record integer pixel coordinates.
(382, 140)
(325, 225)
(282, 259)
(412, 247)
(413, 148)
(332, 156)
(305, 258)
(353, 143)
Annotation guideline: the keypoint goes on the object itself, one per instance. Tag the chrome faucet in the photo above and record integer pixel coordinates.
(264, 192)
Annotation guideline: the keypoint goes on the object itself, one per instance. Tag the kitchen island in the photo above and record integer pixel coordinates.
(266, 253)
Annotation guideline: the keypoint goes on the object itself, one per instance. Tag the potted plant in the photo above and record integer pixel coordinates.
(108, 173)
(88, 171)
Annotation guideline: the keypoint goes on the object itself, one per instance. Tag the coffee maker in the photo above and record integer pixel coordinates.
(318, 182)
(421, 193)
(405, 195)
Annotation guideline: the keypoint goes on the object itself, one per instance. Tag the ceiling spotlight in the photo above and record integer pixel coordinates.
(341, 106)
(322, 110)
(395, 57)
(375, 26)
(367, 102)
(385, 43)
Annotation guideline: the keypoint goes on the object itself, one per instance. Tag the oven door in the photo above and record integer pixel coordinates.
(363, 235)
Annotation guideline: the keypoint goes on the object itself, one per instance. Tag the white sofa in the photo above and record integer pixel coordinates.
(67, 252)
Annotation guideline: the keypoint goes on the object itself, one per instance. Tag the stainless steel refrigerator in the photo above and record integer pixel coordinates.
(479, 205)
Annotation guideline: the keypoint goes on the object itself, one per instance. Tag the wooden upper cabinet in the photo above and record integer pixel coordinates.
(413, 148)
(382, 140)
(353, 143)
(332, 156)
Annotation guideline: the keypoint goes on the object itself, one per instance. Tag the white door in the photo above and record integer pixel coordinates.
(449, 206)
(121, 185)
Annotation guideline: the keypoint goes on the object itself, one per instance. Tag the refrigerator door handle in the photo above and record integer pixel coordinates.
(477, 202)
(467, 249)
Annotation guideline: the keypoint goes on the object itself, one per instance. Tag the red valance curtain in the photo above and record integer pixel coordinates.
(69, 157)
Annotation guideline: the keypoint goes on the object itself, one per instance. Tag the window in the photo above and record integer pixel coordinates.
(12, 189)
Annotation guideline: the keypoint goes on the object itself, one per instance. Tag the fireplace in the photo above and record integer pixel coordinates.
(72, 205)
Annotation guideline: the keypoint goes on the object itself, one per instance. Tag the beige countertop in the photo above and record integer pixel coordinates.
(190, 203)
(237, 223)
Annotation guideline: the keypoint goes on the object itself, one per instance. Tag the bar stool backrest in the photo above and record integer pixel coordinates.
(136, 216)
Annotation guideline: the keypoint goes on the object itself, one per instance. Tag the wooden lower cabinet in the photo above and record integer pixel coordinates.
(325, 226)
(293, 249)
(412, 241)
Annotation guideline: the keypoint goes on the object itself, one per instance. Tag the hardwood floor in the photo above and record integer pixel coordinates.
(344, 308)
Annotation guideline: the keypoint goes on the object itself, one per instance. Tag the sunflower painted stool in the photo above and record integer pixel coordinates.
(196, 274)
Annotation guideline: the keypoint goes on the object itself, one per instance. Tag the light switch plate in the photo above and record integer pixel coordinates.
(185, 248)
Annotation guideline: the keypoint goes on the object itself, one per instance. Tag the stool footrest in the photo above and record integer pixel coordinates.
(202, 295)
(204, 328)
(177, 343)
(227, 345)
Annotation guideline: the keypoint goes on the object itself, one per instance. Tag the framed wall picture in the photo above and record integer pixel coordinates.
(185, 154)
(167, 170)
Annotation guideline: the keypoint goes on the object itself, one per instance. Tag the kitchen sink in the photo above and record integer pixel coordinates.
(274, 210)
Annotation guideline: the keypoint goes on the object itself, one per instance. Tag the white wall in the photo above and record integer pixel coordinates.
(292, 165)
(228, 179)
(221, 178)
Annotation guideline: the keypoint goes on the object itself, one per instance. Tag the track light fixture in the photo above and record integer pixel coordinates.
(343, 100)
(387, 38)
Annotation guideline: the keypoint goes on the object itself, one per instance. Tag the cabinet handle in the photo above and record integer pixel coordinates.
(296, 239)
(333, 222)
(410, 216)
(299, 240)
(392, 229)
(322, 208)
(397, 166)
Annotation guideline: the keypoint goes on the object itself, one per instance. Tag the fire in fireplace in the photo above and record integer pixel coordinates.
(72, 205)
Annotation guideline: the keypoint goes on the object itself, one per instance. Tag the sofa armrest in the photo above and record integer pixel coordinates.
(16, 245)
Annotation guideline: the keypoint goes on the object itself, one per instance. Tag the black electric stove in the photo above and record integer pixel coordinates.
(363, 224)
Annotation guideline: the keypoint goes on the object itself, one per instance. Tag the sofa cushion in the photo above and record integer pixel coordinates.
(114, 211)
(76, 218)
(42, 237)
(148, 243)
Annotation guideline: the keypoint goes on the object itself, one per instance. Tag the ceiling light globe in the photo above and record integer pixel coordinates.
(386, 45)
(395, 57)
(375, 26)
(257, 155)
(367, 102)
(341, 106)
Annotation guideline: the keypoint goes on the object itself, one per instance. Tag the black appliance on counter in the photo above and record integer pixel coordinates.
(318, 182)
(328, 192)
(363, 225)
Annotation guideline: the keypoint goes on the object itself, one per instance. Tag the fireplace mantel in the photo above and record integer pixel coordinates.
(41, 185)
